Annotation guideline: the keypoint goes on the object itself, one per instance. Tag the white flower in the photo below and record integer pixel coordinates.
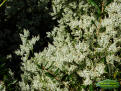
(104, 40)
(87, 81)
(100, 68)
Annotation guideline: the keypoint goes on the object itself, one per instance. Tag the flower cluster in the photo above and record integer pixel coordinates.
(78, 55)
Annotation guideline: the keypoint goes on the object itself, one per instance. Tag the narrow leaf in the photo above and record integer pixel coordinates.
(49, 75)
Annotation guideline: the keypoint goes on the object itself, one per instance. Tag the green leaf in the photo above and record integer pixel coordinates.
(45, 64)
(91, 88)
(108, 2)
(2, 65)
(49, 75)
(56, 72)
(39, 66)
(51, 65)
(103, 59)
(95, 5)
(83, 86)
(12, 82)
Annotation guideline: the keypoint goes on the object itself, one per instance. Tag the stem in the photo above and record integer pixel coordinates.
(58, 79)
(109, 69)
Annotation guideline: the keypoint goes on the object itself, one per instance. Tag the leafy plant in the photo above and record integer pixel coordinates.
(77, 57)
(99, 5)
(7, 79)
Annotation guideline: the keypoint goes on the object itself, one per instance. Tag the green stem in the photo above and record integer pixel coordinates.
(109, 69)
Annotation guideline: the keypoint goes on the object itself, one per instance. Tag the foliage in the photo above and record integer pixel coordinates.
(24, 52)
(27, 14)
(15, 15)
(6, 76)
(99, 5)
(84, 50)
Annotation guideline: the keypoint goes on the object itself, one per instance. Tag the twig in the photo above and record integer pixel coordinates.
(54, 76)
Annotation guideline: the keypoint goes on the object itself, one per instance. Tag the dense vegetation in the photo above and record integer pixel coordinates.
(60, 45)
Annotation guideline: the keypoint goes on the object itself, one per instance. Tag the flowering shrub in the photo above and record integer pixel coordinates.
(85, 49)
